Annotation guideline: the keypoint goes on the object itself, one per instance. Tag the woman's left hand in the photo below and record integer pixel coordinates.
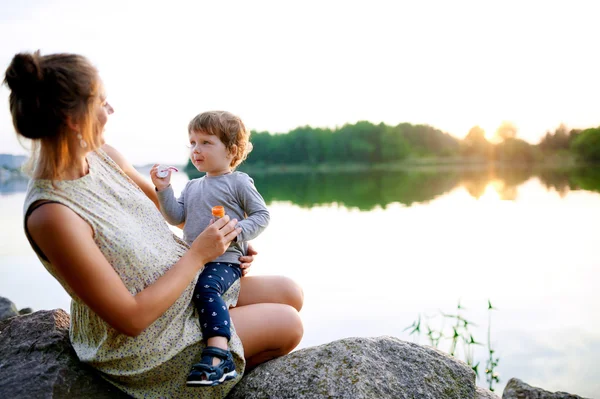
(246, 261)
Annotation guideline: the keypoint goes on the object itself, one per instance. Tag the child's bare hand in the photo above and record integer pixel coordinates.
(159, 183)
(246, 261)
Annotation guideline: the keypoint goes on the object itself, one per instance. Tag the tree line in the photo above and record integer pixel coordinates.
(359, 143)
(365, 143)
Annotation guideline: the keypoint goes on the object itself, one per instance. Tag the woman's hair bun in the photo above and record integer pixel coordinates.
(24, 73)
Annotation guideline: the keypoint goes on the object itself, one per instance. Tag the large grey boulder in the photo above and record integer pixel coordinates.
(7, 308)
(482, 393)
(355, 368)
(517, 389)
(38, 361)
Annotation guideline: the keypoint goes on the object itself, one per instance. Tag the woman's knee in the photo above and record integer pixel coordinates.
(267, 330)
(292, 293)
(293, 330)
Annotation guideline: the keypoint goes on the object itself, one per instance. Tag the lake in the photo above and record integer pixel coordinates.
(374, 251)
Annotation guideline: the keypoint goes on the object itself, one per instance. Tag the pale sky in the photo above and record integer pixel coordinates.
(284, 64)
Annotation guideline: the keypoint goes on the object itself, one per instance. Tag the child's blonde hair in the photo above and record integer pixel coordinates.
(228, 128)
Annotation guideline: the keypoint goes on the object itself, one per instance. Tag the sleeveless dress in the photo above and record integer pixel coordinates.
(136, 241)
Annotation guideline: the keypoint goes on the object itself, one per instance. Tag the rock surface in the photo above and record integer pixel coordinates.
(25, 311)
(356, 368)
(7, 308)
(482, 393)
(517, 389)
(38, 361)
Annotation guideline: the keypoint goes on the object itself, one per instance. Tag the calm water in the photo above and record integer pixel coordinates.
(374, 250)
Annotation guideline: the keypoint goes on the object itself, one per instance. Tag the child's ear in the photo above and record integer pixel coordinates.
(233, 151)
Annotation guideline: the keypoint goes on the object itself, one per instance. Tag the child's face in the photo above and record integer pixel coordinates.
(208, 154)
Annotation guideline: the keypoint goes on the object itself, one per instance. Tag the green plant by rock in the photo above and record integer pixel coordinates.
(460, 336)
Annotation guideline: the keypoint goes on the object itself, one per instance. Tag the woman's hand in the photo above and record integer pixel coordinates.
(246, 261)
(159, 183)
(215, 239)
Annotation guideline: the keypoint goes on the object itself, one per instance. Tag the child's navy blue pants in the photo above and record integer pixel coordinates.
(215, 279)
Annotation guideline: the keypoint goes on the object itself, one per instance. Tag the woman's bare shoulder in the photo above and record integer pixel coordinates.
(115, 156)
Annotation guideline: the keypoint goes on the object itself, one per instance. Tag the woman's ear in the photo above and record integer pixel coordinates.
(72, 124)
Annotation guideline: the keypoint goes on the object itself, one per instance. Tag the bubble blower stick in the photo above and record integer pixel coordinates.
(163, 171)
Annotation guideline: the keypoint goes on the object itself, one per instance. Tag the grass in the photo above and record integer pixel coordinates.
(462, 342)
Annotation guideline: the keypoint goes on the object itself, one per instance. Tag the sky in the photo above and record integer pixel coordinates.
(284, 64)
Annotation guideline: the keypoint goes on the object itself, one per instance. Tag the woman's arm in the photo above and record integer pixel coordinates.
(133, 174)
(67, 241)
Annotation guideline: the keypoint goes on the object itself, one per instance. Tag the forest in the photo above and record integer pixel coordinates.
(365, 145)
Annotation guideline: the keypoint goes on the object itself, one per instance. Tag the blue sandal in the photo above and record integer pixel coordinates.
(205, 374)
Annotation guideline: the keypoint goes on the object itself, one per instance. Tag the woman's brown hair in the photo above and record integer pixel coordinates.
(47, 93)
(228, 128)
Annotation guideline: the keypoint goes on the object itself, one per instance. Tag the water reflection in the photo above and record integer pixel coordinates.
(367, 190)
(534, 257)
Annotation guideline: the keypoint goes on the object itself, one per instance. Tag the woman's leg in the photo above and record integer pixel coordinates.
(270, 289)
(266, 317)
(267, 331)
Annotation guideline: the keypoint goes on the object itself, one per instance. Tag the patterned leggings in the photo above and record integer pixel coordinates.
(215, 279)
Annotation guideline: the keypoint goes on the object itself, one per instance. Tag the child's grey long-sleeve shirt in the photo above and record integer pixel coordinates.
(234, 191)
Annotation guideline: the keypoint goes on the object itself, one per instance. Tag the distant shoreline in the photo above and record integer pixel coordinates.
(418, 165)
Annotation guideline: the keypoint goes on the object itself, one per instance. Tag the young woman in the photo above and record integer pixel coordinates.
(93, 222)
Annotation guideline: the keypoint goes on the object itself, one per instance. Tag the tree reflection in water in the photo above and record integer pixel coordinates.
(366, 190)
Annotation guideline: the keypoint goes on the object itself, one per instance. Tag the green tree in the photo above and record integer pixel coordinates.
(394, 145)
(559, 140)
(362, 141)
(426, 140)
(587, 145)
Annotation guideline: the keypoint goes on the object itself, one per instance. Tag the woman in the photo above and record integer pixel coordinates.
(93, 222)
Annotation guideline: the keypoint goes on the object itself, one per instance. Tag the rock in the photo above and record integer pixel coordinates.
(7, 308)
(355, 368)
(517, 389)
(38, 361)
(25, 311)
(482, 393)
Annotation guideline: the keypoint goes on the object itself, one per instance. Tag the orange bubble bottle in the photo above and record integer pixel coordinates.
(218, 212)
